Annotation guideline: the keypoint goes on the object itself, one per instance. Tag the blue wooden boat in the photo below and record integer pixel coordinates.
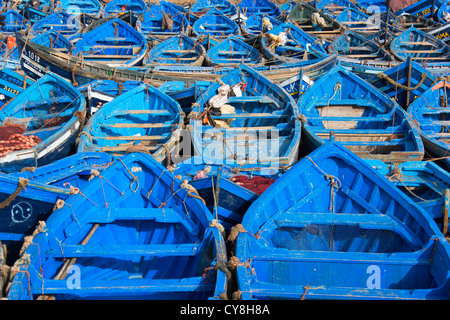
(11, 84)
(13, 21)
(359, 22)
(335, 7)
(442, 33)
(142, 119)
(362, 56)
(233, 51)
(215, 24)
(372, 6)
(406, 21)
(9, 54)
(54, 40)
(33, 14)
(185, 93)
(114, 43)
(255, 25)
(404, 82)
(442, 14)
(185, 11)
(251, 7)
(153, 21)
(61, 22)
(140, 236)
(295, 45)
(263, 131)
(177, 50)
(99, 92)
(74, 171)
(83, 6)
(420, 46)
(24, 203)
(227, 191)
(342, 107)
(49, 115)
(309, 19)
(429, 112)
(331, 213)
(422, 8)
(121, 6)
(426, 183)
(201, 7)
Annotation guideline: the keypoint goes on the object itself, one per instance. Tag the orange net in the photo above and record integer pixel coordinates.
(12, 138)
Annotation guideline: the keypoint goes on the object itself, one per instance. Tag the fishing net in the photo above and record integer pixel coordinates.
(339, 238)
(257, 184)
(12, 138)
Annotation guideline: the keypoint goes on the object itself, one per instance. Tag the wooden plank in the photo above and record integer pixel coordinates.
(177, 58)
(108, 56)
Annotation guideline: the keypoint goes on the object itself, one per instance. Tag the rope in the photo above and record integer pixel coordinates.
(396, 84)
(20, 186)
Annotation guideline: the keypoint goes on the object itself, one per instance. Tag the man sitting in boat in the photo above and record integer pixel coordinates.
(317, 21)
(218, 106)
(277, 40)
(266, 25)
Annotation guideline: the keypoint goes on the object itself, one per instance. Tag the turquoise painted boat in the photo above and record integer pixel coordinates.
(332, 214)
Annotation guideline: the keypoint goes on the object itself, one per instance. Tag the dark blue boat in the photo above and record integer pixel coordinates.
(24, 203)
(46, 119)
(246, 119)
(404, 82)
(137, 233)
(332, 214)
(359, 22)
(422, 8)
(342, 107)
(429, 112)
(425, 182)
(143, 119)
(11, 84)
(114, 43)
